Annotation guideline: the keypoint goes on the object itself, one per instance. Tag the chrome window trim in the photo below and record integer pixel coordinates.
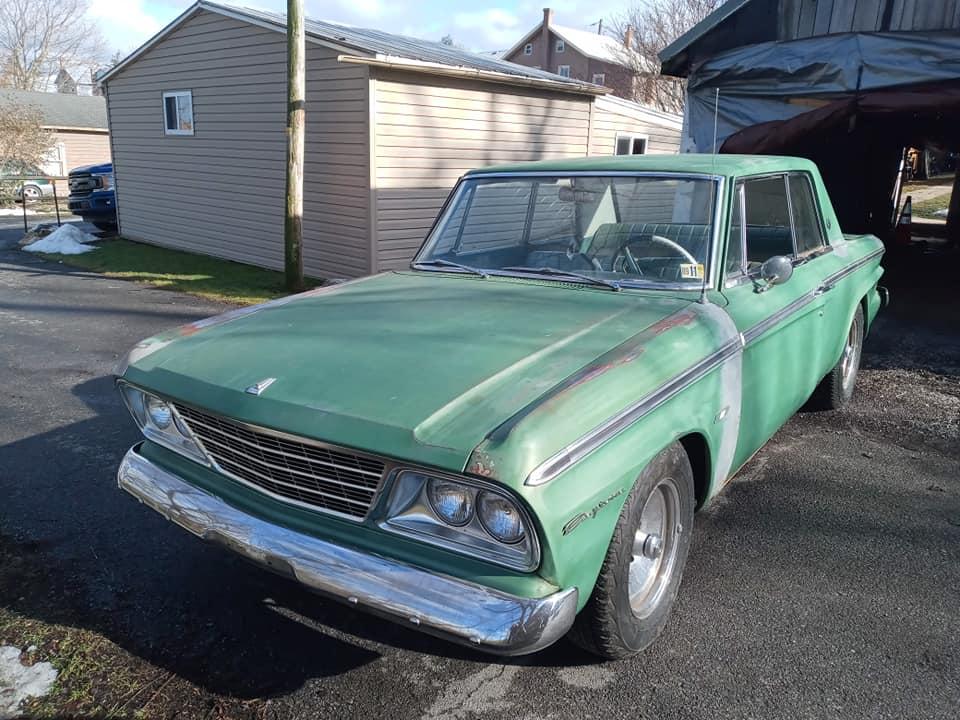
(586, 444)
(628, 284)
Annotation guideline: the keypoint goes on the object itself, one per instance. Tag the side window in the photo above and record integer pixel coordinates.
(806, 220)
(734, 264)
(178, 112)
(768, 219)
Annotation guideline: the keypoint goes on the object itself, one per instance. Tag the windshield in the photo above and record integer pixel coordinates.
(611, 230)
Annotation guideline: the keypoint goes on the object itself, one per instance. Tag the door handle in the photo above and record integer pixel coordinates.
(824, 289)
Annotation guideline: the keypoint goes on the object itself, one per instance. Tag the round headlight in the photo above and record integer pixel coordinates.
(500, 517)
(159, 413)
(451, 502)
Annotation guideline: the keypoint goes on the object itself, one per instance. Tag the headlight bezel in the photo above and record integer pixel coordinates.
(172, 436)
(407, 510)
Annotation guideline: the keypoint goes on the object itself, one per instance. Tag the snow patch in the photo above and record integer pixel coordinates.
(15, 211)
(65, 240)
(19, 682)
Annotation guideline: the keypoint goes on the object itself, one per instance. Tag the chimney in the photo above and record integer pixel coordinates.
(628, 37)
(546, 52)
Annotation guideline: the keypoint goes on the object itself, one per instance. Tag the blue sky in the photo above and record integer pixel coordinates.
(476, 25)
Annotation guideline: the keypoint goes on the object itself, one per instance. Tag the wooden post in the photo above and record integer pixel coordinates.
(296, 101)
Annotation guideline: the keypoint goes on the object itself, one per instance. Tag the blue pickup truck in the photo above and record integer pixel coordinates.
(92, 196)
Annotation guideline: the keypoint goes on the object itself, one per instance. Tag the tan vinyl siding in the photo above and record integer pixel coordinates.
(428, 135)
(84, 147)
(611, 117)
(220, 191)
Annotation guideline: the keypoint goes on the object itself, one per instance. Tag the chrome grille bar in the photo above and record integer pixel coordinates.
(292, 469)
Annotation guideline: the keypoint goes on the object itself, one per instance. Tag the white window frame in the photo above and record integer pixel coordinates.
(602, 78)
(633, 137)
(563, 70)
(528, 49)
(163, 102)
(561, 46)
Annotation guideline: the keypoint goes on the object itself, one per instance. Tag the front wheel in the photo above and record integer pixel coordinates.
(836, 389)
(31, 193)
(641, 573)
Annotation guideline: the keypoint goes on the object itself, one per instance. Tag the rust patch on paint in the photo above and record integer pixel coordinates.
(624, 353)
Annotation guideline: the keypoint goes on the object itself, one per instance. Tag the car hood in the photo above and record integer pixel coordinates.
(418, 366)
(99, 168)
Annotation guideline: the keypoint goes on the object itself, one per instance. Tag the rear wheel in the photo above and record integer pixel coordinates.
(641, 573)
(836, 389)
(31, 193)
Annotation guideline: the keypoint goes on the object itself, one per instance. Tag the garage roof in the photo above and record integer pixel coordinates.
(61, 110)
(421, 55)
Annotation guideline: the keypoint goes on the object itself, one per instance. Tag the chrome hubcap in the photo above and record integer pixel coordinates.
(654, 548)
(851, 356)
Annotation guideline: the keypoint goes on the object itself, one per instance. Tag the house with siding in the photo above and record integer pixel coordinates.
(78, 125)
(198, 123)
(579, 54)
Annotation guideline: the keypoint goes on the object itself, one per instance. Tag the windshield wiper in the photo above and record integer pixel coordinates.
(447, 263)
(564, 273)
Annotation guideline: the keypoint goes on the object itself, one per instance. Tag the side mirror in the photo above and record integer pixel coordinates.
(775, 271)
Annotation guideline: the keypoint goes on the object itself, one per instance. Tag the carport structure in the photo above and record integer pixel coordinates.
(846, 83)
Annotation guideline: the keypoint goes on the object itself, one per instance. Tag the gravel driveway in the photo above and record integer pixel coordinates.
(824, 583)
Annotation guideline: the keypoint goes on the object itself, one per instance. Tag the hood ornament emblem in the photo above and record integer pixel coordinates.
(259, 387)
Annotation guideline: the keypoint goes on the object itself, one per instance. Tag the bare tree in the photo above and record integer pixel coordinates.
(23, 143)
(38, 37)
(655, 24)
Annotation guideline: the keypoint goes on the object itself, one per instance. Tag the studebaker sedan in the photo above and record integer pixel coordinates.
(507, 442)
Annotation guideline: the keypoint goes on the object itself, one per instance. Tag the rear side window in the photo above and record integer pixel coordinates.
(806, 221)
(768, 219)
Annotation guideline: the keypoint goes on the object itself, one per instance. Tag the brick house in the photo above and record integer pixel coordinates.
(578, 54)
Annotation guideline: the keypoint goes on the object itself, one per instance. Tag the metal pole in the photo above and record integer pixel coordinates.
(23, 202)
(296, 100)
(56, 203)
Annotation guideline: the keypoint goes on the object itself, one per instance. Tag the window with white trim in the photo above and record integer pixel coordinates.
(563, 70)
(178, 112)
(630, 145)
(599, 78)
(528, 49)
(561, 46)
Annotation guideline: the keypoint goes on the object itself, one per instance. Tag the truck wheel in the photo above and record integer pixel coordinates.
(104, 225)
(641, 573)
(836, 389)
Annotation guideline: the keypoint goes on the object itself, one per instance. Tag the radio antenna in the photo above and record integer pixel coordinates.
(716, 113)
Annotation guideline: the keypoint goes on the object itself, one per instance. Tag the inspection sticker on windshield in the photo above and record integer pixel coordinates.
(690, 271)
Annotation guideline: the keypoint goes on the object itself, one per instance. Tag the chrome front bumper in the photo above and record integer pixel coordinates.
(441, 605)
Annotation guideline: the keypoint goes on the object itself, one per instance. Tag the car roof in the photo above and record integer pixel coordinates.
(693, 163)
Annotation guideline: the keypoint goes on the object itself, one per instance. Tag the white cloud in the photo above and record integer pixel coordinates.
(493, 28)
(125, 23)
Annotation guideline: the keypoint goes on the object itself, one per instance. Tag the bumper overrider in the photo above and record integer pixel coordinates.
(441, 605)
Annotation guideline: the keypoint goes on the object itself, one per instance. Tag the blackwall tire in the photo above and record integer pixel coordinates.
(641, 573)
(836, 389)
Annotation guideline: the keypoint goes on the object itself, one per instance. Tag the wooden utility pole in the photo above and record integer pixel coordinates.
(296, 100)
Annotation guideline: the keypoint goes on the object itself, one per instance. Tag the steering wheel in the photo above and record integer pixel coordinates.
(624, 250)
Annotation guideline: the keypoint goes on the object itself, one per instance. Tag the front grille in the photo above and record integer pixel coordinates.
(82, 184)
(327, 479)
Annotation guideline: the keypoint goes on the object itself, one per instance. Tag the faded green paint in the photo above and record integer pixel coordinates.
(494, 376)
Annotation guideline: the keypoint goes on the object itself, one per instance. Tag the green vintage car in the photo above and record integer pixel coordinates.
(507, 441)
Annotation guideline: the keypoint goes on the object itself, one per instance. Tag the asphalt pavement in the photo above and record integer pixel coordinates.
(823, 583)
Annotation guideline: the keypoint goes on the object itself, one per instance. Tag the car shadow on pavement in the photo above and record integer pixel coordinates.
(109, 565)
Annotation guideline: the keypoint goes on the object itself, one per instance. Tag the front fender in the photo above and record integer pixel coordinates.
(578, 510)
